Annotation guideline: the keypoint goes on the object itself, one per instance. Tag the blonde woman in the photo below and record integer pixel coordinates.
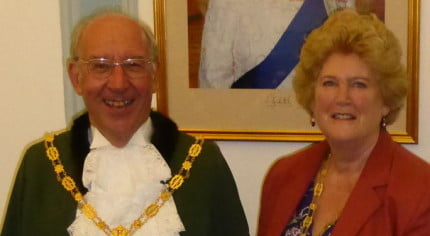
(358, 181)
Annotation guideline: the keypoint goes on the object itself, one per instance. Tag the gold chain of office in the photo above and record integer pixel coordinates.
(69, 184)
(318, 189)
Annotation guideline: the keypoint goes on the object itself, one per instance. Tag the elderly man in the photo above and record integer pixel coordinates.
(121, 169)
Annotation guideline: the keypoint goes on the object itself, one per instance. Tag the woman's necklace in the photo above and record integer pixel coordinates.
(69, 184)
(318, 189)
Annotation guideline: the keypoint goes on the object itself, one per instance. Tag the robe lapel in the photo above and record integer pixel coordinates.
(80, 147)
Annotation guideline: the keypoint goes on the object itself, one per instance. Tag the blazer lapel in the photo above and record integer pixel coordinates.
(362, 203)
(365, 198)
(295, 183)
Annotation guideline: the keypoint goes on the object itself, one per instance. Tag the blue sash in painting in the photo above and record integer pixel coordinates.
(284, 56)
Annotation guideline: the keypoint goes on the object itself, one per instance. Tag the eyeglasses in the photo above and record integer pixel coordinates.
(134, 68)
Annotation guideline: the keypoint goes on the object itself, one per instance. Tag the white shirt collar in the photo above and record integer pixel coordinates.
(142, 136)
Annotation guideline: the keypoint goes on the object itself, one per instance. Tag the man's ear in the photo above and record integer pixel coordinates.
(154, 81)
(74, 76)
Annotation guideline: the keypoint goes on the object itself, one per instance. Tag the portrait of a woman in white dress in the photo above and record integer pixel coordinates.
(255, 44)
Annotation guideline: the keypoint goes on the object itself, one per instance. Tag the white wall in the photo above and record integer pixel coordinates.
(31, 93)
(32, 98)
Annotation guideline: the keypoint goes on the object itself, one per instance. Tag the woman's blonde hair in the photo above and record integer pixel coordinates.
(347, 31)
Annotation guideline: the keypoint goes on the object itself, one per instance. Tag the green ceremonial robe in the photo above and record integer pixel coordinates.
(208, 202)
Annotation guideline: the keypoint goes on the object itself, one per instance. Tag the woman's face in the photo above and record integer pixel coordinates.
(348, 104)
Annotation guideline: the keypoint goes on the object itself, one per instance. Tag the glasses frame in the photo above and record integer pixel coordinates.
(112, 63)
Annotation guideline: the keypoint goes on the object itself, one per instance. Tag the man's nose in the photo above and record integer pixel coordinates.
(118, 79)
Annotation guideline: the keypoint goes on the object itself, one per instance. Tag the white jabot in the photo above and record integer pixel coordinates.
(122, 182)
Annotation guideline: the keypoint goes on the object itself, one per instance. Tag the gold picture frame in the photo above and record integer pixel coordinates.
(261, 114)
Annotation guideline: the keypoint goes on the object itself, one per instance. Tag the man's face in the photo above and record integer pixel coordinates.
(118, 104)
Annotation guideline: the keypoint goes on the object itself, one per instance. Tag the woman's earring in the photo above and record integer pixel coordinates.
(313, 122)
(383, 122)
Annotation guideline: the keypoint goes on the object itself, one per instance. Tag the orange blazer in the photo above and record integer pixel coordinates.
(391, 197)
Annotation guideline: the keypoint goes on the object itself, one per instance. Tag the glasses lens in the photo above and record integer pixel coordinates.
(137, 68)
(100, 67)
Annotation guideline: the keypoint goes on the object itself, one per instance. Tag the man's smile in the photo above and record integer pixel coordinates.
(117, 103)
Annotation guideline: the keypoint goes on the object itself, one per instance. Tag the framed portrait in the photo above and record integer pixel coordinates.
(199, 43)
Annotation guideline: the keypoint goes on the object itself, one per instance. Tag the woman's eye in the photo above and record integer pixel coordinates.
(359, 84)
(328, 83)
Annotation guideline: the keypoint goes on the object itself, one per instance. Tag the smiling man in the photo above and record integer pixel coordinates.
(121, 169)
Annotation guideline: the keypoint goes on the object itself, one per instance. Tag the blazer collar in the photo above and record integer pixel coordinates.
(365, 198)
(295, 181)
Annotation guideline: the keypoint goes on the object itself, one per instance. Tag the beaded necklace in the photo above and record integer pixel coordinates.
(318, 189)
(69, 184)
